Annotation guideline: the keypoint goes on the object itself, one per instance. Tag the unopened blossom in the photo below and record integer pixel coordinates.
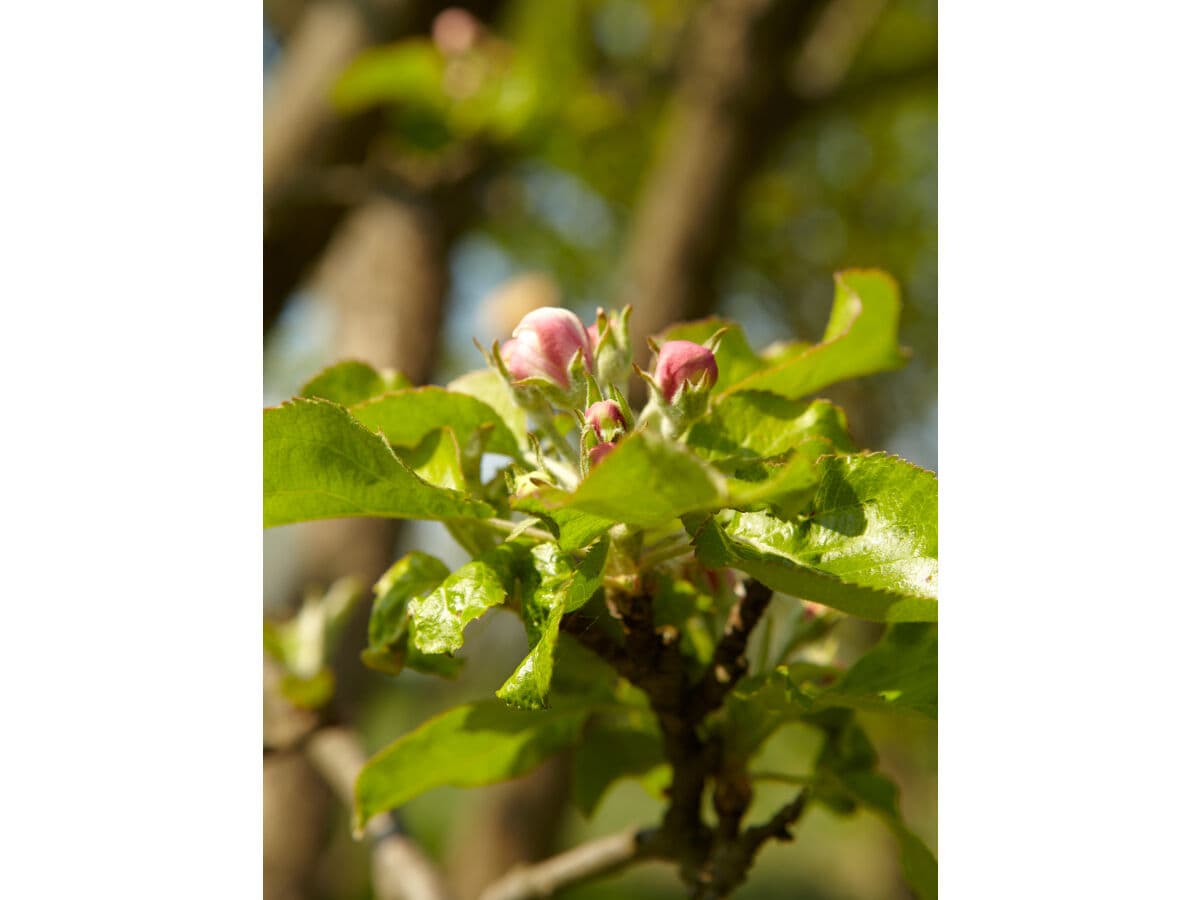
(544, 344)
(683, 361)
(606, 419)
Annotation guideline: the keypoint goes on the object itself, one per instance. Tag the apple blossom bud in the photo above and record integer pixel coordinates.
(601, 450)
(544, 344)
(606, 420)
(681, 362)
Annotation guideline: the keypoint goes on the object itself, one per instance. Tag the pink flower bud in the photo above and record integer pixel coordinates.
(543, 345)
(455, 31)
(606, 419)
(597, 453)
(593, 336)
(683, 361)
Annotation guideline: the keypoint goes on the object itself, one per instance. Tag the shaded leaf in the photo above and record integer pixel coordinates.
(899, 674)
(619, 744)
(320, 463)
(471, 745)
(848, 778)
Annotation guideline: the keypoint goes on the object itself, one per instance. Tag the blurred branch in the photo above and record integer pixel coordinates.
(729, 658)
(400, 868)
(594, 859)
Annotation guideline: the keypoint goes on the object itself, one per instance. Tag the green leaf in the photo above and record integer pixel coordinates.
(757, 707)
(350, 382)
(867, 547)
(438, 620)
(437, 459)
(860, 339)
(487, 385)
(646, 481)
(406, 417)
(573, 528)
(755, 424)
(321, 463)
(471, 745)
(390, 643)
(616, 745)
(561, 589)
(849, 778)
(898, 675)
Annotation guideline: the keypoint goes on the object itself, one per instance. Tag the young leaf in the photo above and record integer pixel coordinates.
(438, 620)
(561, 589)
(860, 339)
(321, 463)
(405, 417)
(390, 644)
(868, 546)
(646, 481)
(471, 745)
(350, 382)
(899, 674)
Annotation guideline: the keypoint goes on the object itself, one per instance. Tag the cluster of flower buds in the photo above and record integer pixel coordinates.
(554, 361)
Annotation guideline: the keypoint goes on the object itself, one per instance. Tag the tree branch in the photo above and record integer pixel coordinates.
(594, 859)
(729, 658)
(400, 869)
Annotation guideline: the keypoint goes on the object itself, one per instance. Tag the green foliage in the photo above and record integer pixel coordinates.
(669, 480)
(561, 588)
(756, 479)
(868, 545)
(350, 382)
(848, 778)
(320, 463)
(860, 339)
(899, 674)
(439, 618)
(407, 416)
(390, 645)
(471, 745)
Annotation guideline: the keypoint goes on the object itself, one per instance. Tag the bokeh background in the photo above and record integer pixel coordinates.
(434, 171)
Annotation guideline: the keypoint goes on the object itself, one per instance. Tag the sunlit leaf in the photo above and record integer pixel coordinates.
(562, 588)
(407, 416)
(645, 482)
(438, 619)
(860, 339)
(897, 675)
(319, 462)
(868, 545)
